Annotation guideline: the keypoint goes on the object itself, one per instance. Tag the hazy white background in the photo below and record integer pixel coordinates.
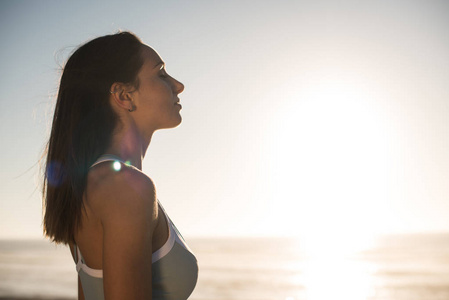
(318, 118)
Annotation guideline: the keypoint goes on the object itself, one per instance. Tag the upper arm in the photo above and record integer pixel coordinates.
(80, 290)
(128, 216)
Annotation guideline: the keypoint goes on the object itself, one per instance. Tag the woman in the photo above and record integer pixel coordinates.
(113, 95)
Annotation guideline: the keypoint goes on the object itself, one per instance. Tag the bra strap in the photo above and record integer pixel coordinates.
(106, 157)
(80, 260)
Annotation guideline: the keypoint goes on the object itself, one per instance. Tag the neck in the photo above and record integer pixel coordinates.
(130, 146)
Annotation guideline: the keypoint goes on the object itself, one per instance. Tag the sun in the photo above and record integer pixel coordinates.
(327, 158)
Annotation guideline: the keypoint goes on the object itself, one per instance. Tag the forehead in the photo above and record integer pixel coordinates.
(150, 57)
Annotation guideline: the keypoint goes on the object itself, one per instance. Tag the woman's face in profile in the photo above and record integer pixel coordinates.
(156, 99)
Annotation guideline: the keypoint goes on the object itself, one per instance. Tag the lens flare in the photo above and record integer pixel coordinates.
(54, 173)
(117, 165)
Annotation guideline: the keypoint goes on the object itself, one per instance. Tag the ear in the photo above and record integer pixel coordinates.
(121, 94)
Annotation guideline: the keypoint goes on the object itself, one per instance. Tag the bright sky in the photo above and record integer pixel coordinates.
(312, 118)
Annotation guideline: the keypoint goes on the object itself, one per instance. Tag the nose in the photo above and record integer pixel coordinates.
(178, 86)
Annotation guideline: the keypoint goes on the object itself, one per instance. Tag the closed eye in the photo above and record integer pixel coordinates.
(163, 73)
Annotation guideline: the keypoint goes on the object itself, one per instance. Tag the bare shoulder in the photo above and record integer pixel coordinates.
(126, 192)
(125, 202)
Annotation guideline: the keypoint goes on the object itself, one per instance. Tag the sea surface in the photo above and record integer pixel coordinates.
(396, 267)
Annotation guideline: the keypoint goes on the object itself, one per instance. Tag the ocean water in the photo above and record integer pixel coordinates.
(400, 267)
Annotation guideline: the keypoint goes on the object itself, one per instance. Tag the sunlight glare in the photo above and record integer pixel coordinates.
(328, 152)
(337, 279)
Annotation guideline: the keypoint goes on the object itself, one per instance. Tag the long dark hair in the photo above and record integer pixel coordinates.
(83, 125)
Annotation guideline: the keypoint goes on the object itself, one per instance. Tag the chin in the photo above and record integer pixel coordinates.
(178, 123)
